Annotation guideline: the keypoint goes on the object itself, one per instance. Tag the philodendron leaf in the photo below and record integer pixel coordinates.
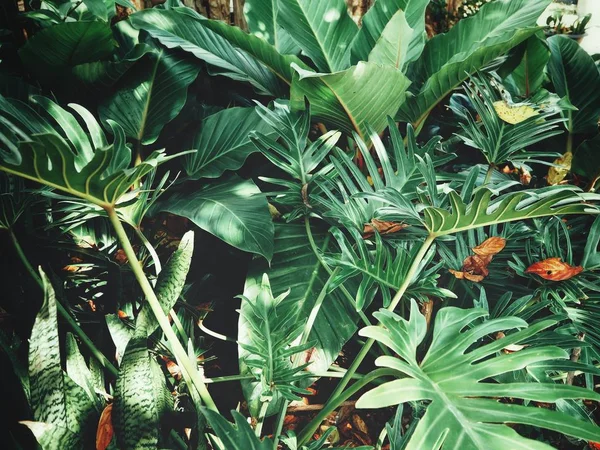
(148, 98)
(448, 59)
(323, 30)
(223, 142)
(346, 100)
(61, 154)
(236, 436)
(575, 76)
(141, 398)
(170, 283)
(234, 210)
(464, 412)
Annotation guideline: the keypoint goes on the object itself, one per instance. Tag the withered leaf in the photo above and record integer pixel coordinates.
(474, 268)
(562, 167)
(490, 247)
(382, 227)
(467, 276)
(105, 431)
(554, 269)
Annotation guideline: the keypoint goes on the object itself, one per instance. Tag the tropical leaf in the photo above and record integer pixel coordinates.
(448, 59)
(169, 284)
(236, 436)
(379, 16)
(223, 142)
(346, 101)
(574, 76)
(183, 29)
(71, 160)
(296, 268)
(78, 371)
(261, 16)
(464, 411)
(234, 210)
(526, 79)
(323, 30)
(151, 96)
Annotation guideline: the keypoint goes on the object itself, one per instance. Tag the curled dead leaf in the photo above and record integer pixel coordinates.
(105, 430)
(554, 269)
(524, 176)
(173, 368)
(490, 247)
(558, 172)
(383, 227)
(594, 445)
(466, 276)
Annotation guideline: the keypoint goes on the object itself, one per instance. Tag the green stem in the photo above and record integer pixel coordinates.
(151, 250)
(178, 350)
(488, 175)
(261, 419)
(214, 334)
(85, 340)
(331, 405)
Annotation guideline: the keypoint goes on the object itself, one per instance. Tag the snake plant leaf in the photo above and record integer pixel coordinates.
(296, 268)
(378, 17)
(78, 371)
(66, 45)
(223, 142)
(482, 210)
(575, 76)
(152, 95)
(183, 29)
(120, 334)
(323, 30)
(464, 412)
(170, 283)
(69, 158)
(141, 398)
(53, 437)
(236, 436)
(233, 210)
(527, 78)
(448, 59)
(261, 16)
(346, 101)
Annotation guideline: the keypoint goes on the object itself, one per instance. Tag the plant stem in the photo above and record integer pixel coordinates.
(333, 403)
(261, 418)
(85, 340)
(178, 350)
(488, 175)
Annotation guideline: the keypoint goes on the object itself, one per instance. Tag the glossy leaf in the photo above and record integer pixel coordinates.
(261, 16)
(554, 269)
(527, 78)
(236, 436)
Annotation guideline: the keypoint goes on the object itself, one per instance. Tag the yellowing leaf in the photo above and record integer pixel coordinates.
(513, 114)
(562, 167)
(554, 269)
(490, 247)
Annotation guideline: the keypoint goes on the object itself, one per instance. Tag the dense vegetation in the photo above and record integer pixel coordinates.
(196, 219)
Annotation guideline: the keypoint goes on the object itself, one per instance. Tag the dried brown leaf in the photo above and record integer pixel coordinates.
(554, 269)
(490, 247)
(105, 431)
(383, 227)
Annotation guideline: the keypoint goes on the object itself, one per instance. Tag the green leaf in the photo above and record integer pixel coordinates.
(323, 30)
(448, 59)
(234, 210)
(483, 211)
(170, 283)
(261, 16)
(586, 160)
(141, 399)
(53, 437)
(237, 436)
(151, 96)
(464, 412)
(296, 268)
(98, 8)
(79, 372)
(73, 160)
(120, 333)
(66, 45)
(180, 28)
(346, 100)
(528, 76)
(575, 76)
(378, 17)
(223, 142)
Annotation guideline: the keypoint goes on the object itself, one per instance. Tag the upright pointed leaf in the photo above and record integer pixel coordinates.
(528, 76)
(323, 30)
(236, 436)
(347, 101)
(395, 47)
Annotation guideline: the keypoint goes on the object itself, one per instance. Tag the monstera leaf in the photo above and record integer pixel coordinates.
(68, 158)
(455, 376)
(448, 59)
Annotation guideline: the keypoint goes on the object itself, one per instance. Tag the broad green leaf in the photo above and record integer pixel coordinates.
(378, 17)
(323, 30)
(98, 8)
(151, 96)
(394, 46)
(464, 412)
(528, 76)
(586, 161)
(170, 283)
(179, 28)
(234, 210)
(83, 164)
(346, 100)
(576, 77)
(448, 59)
(261, 16)
(296, 268)
(223, 142)
(141, 398)
(236, 436)
(482, 210)
(66, 45)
